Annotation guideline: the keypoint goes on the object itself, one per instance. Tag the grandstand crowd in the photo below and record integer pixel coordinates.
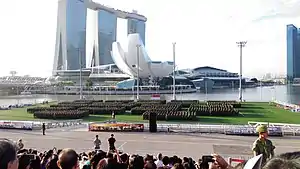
(16, 156)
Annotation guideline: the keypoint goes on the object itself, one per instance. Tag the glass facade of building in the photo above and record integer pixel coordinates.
(107, 30)
(72, 40)
(76, 13)
(137, 26)
(293, 52)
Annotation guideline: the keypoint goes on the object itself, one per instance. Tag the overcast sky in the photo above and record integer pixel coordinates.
(205, 32)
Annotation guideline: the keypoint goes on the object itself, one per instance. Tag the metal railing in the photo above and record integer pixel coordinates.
(37, 125)
(286, 129)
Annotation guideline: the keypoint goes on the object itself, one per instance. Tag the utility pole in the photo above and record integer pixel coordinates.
(80, 73)
(241, 44)
(174, 67)
(206, 96)
(138, 71)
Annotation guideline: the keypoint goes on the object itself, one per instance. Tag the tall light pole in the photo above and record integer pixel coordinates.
(241, 44)
(174, 67)
(138, 71)
(80, 72)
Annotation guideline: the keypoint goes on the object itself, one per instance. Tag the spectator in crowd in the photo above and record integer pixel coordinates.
(68, 159)
(136, 162)
(111, 143)
(178, 166)
(52, 164)
(284, 161)
(97, 143)
(8, 155)
(159, 162)
(219, 163)
(24, 161)
(165, 161)
(151, 165)
(46, 158)
(102, 164)
(20, 144)
(262, 145)
(36, 164)
(123, 161)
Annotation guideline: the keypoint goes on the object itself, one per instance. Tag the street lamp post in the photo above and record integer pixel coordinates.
(138, 71)
(241, 44)
(174, 67)
(80, 72)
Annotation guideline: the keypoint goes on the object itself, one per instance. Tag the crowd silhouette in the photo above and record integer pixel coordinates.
(12, 156)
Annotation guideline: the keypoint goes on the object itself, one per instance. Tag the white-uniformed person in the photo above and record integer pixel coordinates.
(97, 143)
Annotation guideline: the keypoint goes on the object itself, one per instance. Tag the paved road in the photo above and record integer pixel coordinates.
(193, 145)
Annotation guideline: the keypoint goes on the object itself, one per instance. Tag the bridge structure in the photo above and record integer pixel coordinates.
(20, 81)
(19, 84)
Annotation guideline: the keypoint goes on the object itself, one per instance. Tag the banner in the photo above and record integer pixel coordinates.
(116, 127)
(16, 125)
(155, 97)
(249, 131)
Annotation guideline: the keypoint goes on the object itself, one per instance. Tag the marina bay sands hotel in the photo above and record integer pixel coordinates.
(86, 31)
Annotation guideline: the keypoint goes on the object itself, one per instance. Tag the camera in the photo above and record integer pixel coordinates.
(205, 160)
(208, 159)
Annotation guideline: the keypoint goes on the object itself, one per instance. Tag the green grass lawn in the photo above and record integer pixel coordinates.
(257, 112)
(250, 111)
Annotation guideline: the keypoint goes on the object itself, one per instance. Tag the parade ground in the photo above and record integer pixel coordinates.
(194, 145)
(250, 111)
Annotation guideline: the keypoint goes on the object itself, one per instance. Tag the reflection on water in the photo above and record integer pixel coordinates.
(282, 93)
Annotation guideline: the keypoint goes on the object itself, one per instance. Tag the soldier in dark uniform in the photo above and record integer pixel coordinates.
(111, 143)
(44, 128)
(262, 145)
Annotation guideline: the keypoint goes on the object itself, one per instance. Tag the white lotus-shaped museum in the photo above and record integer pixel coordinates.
(126, 60)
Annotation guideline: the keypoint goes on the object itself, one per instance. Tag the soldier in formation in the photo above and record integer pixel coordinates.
(262, 145)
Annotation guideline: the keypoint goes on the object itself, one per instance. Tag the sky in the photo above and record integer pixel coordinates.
(205, 32)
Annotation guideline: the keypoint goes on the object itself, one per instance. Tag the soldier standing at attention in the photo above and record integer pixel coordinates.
(111, 143)
(97, 143)
(44, 128)
(262, 145)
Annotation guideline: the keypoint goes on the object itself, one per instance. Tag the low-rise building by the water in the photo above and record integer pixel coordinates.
(208, 78)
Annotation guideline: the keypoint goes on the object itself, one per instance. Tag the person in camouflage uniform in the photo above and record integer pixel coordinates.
(262, 145)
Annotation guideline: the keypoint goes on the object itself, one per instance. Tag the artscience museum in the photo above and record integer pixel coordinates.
(133, 56)
(134, 61)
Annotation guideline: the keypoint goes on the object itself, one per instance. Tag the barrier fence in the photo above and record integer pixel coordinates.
(275, 129)
(37, 125)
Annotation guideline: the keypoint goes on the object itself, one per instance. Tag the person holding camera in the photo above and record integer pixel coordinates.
(20, 144)
(214, 161)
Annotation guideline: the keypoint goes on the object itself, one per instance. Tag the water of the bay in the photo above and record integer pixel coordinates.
(289, 94)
